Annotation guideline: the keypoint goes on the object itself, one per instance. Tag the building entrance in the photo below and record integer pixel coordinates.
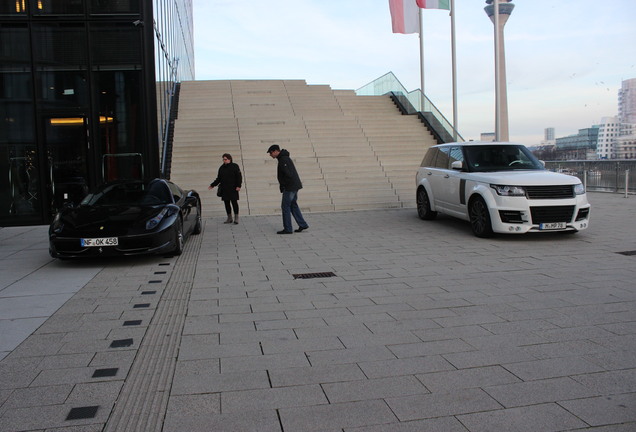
(66, 140)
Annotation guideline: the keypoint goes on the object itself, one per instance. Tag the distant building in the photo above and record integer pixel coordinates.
(577, 146)
(548, 137)
(487, 136)
(627, 102)
(608, 132)
(86, 88)
(548, 134)
(625, 143)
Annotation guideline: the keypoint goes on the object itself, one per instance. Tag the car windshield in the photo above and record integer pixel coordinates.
(129, 193)
(500, 158)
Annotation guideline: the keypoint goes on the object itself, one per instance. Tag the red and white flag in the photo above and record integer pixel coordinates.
(404, 16)
(434, 4)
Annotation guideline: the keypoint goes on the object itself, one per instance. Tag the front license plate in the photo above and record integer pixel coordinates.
(94, 242)
(552, 225)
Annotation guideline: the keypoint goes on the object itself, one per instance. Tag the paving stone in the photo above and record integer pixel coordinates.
(538, 392)
(344, 415)
(248, 421)
(407, 366)
(551, 368)
(204, 381)
(430, 348)
(441, 404)
(480, 377)
(620, 381)
(349, 355)
(315, 375)
(192, 405)
(37, 396)
(264, 362)
(273, 398)
(300, 345)
(544, 418)
(488, 357)
(380, 388)
(445, 424)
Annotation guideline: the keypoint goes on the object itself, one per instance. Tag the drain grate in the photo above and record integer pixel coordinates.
(121, 343)
(627, 253)
(148, 292)
(141, 305)
(82, 413)
(313, 275)
(132, 323)
(103, 373)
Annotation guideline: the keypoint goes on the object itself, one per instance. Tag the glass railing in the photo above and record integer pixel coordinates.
(389, 83)
(600, 175)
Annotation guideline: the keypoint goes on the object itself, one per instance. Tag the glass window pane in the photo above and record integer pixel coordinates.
(13, 7)
(58, 7)
(19, 188)
(119, 100)
(114, 6)
(60, 46)
(116, 46)
(63, 89)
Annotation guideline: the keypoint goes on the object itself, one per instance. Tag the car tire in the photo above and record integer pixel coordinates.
(480, 218)
(424, 205)
(198, 225)
(178, 237)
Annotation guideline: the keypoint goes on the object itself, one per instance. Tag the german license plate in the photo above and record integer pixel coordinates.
(552, 225)
(95, 242)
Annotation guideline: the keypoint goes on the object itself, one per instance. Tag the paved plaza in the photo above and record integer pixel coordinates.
(369, 321)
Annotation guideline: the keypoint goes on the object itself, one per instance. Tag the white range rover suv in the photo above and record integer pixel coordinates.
(499, 187)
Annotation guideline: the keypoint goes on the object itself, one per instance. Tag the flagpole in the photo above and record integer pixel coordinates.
(454, 65)
(421, 108)
(497, 75)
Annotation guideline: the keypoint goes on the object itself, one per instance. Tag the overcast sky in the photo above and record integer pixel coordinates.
(565, 59)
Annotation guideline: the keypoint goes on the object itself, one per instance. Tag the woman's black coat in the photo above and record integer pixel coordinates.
(228, 179)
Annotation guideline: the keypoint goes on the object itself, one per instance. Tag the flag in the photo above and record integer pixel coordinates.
(434, 4)
(404, 16)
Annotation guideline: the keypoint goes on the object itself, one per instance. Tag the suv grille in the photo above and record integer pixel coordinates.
(551, 214)
(550, 192)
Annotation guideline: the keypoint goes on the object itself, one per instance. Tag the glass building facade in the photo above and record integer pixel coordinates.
(85, 93)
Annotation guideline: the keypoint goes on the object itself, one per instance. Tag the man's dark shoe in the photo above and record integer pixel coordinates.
(301, 229)
(284, 232)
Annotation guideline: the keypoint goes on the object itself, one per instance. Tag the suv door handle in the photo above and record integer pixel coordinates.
(446, 176)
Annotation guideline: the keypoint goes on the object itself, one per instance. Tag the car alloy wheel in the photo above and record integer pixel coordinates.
(480, 218)
(178, 240)
(198, 225)
(424, 205)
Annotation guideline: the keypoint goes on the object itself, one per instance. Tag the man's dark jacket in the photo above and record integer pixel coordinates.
(288, 177)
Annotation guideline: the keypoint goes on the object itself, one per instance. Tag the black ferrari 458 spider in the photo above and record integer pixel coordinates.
(128, 217)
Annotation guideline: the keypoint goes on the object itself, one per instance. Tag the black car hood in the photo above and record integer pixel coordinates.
(106, 221)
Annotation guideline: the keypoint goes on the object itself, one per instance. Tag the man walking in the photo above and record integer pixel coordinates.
(290, 184)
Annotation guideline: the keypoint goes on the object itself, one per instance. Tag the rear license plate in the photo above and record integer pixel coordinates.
(94, 242)
(552, 226)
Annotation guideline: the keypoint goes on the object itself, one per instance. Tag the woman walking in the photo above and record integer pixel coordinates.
(229, 179)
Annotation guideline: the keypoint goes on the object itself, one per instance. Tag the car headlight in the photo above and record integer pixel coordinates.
(505, 190)
(57, 225)
(152, 223)
(579, 189)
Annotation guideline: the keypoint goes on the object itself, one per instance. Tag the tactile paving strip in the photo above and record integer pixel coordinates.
(146, 393)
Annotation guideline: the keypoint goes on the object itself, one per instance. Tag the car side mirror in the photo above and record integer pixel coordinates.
(542, 162)
(457, 165)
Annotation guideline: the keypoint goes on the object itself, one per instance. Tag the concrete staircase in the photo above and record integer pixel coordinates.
(352, 152)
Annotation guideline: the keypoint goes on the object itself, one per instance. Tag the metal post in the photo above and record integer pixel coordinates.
(626, 183)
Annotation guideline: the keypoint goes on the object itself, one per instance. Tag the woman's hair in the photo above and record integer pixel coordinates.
(227, 156)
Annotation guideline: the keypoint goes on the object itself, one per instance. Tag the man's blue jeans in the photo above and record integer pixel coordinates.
(290, 208)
